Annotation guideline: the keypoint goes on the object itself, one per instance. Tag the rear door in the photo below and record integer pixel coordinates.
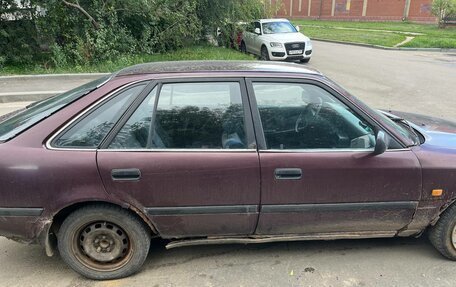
(256, 40)
(318, 173)
(186, 154)
(248, 37)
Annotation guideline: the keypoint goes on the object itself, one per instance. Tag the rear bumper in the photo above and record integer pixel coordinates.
(24, 225)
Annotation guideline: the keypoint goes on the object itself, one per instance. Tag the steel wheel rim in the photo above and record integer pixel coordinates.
(102, 246)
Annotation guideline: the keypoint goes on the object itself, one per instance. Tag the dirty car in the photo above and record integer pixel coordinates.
(218, 152)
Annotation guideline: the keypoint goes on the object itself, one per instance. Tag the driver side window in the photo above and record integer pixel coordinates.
(305, 116)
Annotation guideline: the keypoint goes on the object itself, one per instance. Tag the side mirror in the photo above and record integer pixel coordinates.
(381, 143)
(297, 28)
(257, 31)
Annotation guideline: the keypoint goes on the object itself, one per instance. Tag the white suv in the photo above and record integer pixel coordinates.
(276, 39)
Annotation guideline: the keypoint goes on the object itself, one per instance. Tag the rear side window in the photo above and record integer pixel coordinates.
(91, 129)
(187, 116)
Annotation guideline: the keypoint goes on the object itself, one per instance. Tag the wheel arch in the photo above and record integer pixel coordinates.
(442, 210)
(49, 238)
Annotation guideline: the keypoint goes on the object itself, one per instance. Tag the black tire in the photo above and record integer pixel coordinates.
(243, 48)
(441, 233)
(120, 236)
(305, 60)
(264, 54)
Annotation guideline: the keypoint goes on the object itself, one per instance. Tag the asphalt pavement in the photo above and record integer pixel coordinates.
(409, 81)
(419, 82)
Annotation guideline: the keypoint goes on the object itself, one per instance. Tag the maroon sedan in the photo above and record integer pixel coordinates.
(216, 152)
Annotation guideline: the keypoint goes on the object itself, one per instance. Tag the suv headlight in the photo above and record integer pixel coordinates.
(276, 44)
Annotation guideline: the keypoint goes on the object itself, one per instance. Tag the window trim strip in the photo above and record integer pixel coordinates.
(194, 150)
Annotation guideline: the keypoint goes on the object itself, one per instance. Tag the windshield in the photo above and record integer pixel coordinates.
(278, 27)
(18, 122)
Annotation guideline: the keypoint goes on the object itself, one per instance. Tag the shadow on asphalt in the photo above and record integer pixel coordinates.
(226, 256)
(415, 246)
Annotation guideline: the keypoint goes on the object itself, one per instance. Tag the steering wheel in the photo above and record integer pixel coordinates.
(308, 115)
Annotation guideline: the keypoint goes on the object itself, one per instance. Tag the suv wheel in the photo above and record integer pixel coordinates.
(305, 60)
(103, 242)
(443, 234)
(264, 54)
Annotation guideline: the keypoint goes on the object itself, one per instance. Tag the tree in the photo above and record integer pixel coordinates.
(78, 32)
(224, 14)
(87, 31)
(217, 13)
(442, 9)
(19, 41)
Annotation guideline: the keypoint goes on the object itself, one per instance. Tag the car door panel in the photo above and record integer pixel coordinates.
(188, 163)
(329, 187)
(256, 40)
(339, 192)
(189, 193)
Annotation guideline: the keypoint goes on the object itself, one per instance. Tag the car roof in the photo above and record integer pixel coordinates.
(274, 20)
(215, 66)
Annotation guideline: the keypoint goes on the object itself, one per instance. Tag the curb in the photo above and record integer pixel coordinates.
(55, 76)
(35, 95)
(27, 96)
(441, 50)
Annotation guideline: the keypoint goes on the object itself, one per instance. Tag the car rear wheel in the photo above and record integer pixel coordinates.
(264, 54)
(103, 242)
(443, 234)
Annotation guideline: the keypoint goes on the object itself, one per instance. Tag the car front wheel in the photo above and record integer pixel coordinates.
(443, 234)
(305, 60)
(264, 54)
(103, 242)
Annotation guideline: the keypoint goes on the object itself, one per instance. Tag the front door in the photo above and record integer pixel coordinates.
(318, 171)
(187, 156)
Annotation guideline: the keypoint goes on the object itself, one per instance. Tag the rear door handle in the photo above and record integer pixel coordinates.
(128, 174)
(288, 173)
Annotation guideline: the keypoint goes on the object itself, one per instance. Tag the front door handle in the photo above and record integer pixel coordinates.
(129, 174)
(288, 173)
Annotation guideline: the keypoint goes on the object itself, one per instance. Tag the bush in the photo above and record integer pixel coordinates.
(81, 32)
(18, 40)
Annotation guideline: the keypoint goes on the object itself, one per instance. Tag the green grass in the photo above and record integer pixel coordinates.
(372, 38)
(432, 37)
(191, 53)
